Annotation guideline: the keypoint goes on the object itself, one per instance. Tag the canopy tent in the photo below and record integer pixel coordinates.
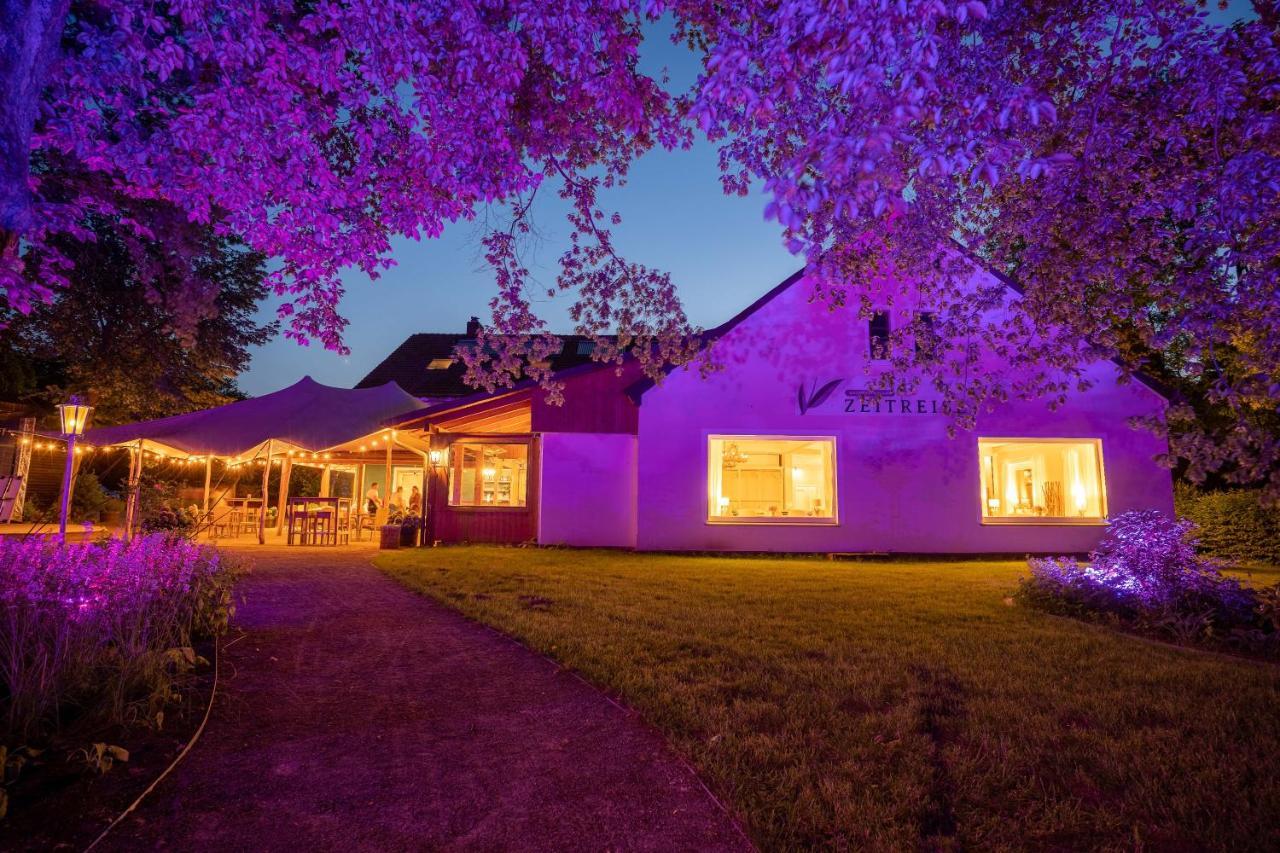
(306, 419)
(306, 416)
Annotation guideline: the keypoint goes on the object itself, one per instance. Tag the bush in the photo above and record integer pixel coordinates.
(179, 523)
(89, 500)
(94, 634)
(1146, 574)
(1232, 525)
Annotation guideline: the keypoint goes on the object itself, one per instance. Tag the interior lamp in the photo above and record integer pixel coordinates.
(1079, 496)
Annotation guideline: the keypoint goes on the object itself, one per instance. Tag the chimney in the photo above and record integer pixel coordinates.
(473, 327)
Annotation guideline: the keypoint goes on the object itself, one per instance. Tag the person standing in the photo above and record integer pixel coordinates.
(373, 500)
(415, 502)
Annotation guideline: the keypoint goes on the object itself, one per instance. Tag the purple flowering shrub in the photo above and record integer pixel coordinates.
(94, 634)
(1146, 574)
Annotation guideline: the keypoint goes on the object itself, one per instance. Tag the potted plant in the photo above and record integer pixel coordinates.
(391, 531)
(410, 525)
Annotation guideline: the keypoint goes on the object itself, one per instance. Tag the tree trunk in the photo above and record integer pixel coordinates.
(29, 44)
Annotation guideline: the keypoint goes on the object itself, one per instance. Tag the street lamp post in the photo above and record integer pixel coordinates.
(74, 414)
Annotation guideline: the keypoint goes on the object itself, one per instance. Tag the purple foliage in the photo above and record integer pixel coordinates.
(95, 628)
(1146, 567)
(1119, 157)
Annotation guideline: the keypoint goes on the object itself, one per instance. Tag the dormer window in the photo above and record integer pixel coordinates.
(878, 331)
(586, 347)
(440, 364)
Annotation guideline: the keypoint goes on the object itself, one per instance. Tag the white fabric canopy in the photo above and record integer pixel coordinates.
(305, 416)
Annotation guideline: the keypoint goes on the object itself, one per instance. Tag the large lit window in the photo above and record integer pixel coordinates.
(488, 474)
(753, 479)
(1042, 480)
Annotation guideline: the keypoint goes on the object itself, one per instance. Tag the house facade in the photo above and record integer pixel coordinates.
(788, 448)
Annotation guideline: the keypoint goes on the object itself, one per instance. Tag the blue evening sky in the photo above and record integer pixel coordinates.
(719, 250)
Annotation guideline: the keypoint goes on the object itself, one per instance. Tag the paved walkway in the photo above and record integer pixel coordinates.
(360, 716)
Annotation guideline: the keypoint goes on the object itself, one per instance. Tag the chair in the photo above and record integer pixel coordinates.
(248, 516)
(342, 532)
(365, 522)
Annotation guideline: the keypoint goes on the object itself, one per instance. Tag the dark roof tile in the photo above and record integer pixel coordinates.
(407, 364)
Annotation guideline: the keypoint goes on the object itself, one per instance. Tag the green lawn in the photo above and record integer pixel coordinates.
(896, 705)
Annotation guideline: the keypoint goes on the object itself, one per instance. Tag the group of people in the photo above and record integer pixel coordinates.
(396, 503)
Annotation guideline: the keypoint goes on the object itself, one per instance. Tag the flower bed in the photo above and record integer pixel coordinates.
(94, 636)
(1146, 575)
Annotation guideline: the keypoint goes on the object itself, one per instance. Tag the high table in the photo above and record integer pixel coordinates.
(317, 521)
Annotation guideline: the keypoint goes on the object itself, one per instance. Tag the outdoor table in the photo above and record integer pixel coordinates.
(314, 521)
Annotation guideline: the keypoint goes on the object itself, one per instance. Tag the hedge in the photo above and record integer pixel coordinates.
(1234, 525)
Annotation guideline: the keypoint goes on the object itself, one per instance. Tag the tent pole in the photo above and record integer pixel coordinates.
(286, 469)
(357, 496)
(208, 481)
(262, 513)
(135, 484)
(384, 510)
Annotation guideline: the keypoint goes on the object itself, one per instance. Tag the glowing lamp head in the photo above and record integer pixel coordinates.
(489, 473)
(75, 416)
(437, 457)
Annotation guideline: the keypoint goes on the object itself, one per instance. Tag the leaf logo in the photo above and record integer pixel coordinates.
(816, 396)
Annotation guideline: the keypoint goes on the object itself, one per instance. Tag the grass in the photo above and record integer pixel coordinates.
(896, 705)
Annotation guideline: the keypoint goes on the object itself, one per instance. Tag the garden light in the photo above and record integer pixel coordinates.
(75, 415)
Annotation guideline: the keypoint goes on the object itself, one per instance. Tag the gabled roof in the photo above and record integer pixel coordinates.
(407, 365)
(637, 390)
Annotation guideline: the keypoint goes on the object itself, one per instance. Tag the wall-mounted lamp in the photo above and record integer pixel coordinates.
(436, 456)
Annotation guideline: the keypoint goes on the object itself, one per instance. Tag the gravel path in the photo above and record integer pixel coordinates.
(356, 715)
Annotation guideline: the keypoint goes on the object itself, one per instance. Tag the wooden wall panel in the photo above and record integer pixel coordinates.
(594, 401)
(482, 524)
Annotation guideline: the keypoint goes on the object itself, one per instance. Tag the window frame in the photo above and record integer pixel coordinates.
(1045, 521)
(769, 521)
(472, 441)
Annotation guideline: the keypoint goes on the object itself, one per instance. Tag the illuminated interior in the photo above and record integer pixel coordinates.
(1037, 479)
(488, 474)
(752, 479)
